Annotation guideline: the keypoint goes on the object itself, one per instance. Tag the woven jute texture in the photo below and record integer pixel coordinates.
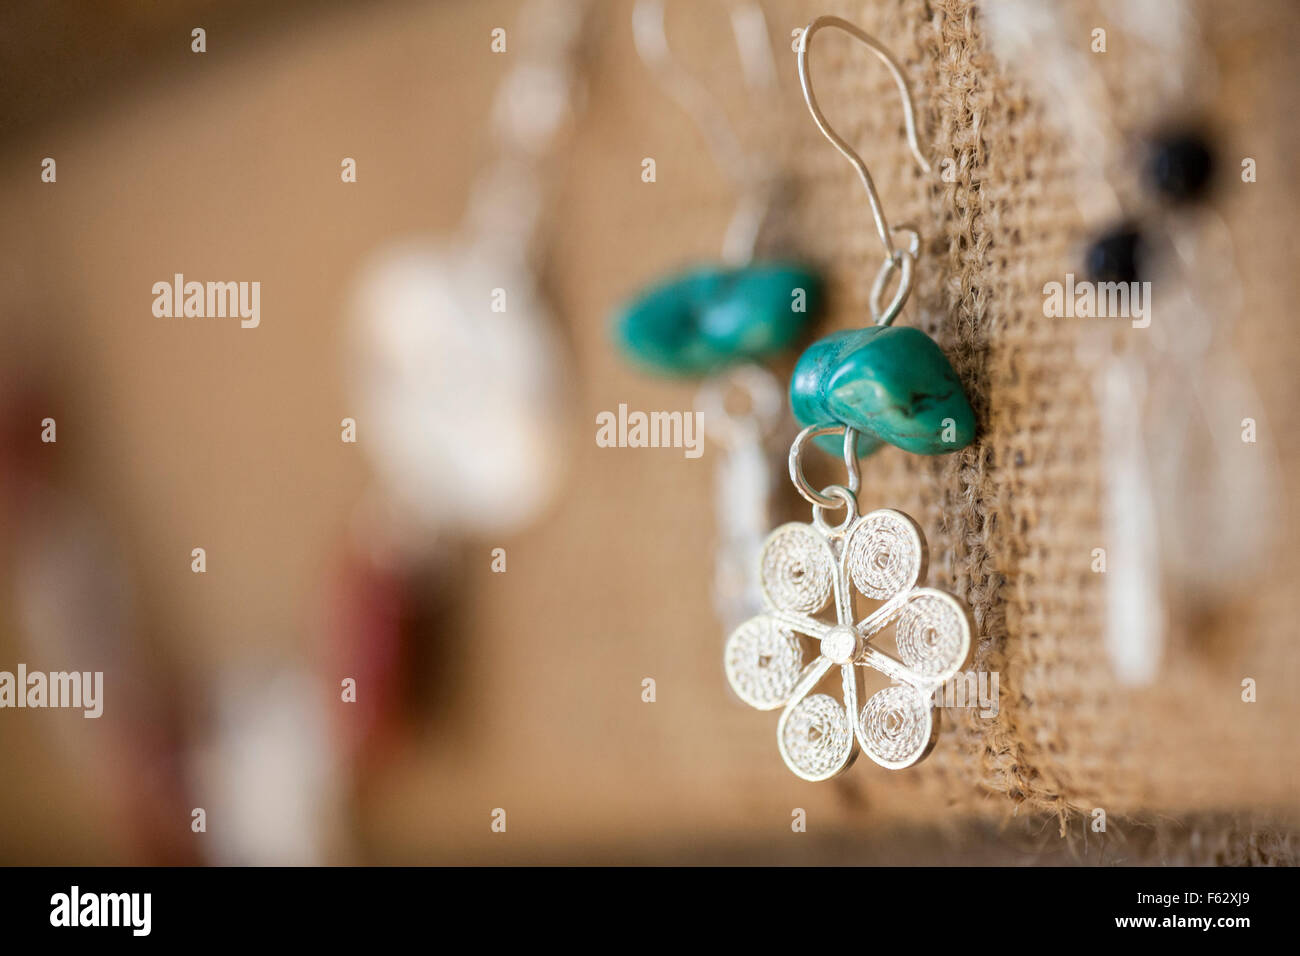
(1013, 520)
(189, 433)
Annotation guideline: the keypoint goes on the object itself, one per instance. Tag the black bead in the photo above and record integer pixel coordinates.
(1180, 166)
(1116, 256)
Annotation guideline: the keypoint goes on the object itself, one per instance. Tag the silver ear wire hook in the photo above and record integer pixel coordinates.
(752, 177)
(894, 258)
(909, 114)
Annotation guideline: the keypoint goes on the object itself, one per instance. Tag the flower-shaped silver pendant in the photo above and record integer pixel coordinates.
(804, 568)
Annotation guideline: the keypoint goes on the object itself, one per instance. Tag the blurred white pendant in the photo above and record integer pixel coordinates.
(458, 376)
(459, 370)
(268, 779)
(1135, 608)
(743, 489)
(742, 482)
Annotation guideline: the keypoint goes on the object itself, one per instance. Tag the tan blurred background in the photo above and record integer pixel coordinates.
(178, 434)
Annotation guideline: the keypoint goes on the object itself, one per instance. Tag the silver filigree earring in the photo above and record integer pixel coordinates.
(814, 576)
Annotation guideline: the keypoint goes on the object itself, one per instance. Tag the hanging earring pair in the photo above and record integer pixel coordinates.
(858, 389)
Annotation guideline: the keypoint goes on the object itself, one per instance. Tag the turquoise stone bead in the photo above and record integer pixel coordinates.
(893, 384)
(699, 321)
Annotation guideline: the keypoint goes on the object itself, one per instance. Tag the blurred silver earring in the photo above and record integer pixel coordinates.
(459, 368)
(741, 403)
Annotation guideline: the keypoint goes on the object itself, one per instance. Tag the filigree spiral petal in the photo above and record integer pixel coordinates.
(933, 635)
(797, 569)
(884, 555)
(763, 662)
(815, 737)
(896, 726)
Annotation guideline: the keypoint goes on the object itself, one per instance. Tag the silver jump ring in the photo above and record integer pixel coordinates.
(811, 494)
(904, 261)
(766, 405)
(847, 500)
